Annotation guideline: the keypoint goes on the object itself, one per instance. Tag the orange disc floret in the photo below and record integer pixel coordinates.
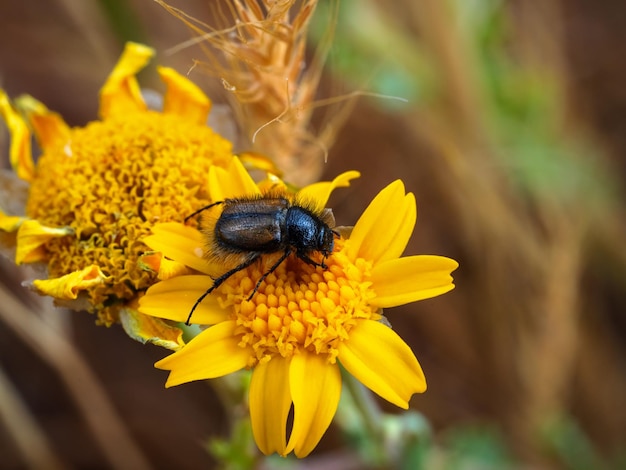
(298, 307)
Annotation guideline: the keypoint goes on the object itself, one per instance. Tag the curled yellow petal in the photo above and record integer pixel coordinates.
(49, 127)
(121, 94)
(165, 268)
(382, 211)
(146, 329)
(257, 161)
(213, 353)
(272, 183)
(183, 97)
(173, 299)
(269, 405)
(232, 182)
(389, 236)
(315, 390)
(403, 280)
(381, 361)
(180, 243)
(20, 151)
(31, 238)
(10, 223)
(151, 261)
(319, 193)
(69, 286)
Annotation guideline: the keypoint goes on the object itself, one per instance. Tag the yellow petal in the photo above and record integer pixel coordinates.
(315, 390)
(31, 238)
(183, 98)
(270, 402)
(257, 161)
(10, 223)
(147, 329)
(232, 182)
(68, 287)
(179, 243)
(370, 238)
(379, 359)
(319, 193)
(273, 184)
(173, 299)
(412, 278)
(120, 95)
(50, 128)
(20, 151)
(389, 236)
(213, 353)
(165, 268)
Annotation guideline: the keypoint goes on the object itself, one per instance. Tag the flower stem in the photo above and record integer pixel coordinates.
(360, 416)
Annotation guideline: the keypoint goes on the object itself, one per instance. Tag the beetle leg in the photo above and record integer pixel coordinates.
(308, 260)
(218, 281)
(270, 271)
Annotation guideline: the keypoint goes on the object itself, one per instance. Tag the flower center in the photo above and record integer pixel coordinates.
(299, 307)
(110, 183)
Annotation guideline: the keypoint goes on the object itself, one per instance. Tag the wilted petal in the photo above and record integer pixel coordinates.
(213, 353)
(379, 359)
(269, 405)
(315, 390)
(10, 223)
(31, 238)
(146, 329)
(49, 127)
(183, 97)
(412, 278)
(165, 268)
(121, 94)
(173, 299)
(68, 287)
(20, 151)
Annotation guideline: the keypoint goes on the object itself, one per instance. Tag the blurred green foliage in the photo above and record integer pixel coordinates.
(122, 20)
(524, 106)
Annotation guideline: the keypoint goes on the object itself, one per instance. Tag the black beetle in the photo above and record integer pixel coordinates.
(254, 226)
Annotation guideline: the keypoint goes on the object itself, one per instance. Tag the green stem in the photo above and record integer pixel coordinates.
(361, 417)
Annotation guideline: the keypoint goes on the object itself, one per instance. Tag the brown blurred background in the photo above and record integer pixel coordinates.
(514, 142)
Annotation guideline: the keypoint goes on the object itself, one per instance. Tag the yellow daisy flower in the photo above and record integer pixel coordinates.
(97, 190)
(304, 320)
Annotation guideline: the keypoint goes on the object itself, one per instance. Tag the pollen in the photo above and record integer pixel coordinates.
(110, 183)
(298, 308)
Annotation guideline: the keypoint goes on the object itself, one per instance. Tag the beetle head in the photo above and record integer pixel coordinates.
(325, 241)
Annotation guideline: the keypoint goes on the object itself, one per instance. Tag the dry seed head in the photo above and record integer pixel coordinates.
(261, 61)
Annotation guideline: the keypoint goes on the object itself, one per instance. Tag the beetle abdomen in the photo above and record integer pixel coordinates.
(253, 225)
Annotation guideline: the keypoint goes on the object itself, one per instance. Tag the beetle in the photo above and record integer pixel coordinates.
(250, 227)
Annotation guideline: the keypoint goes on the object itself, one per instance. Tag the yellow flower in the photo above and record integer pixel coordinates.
(97, 190)
(303, 320)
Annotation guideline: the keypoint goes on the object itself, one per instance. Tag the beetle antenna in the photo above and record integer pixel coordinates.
(202, 209)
